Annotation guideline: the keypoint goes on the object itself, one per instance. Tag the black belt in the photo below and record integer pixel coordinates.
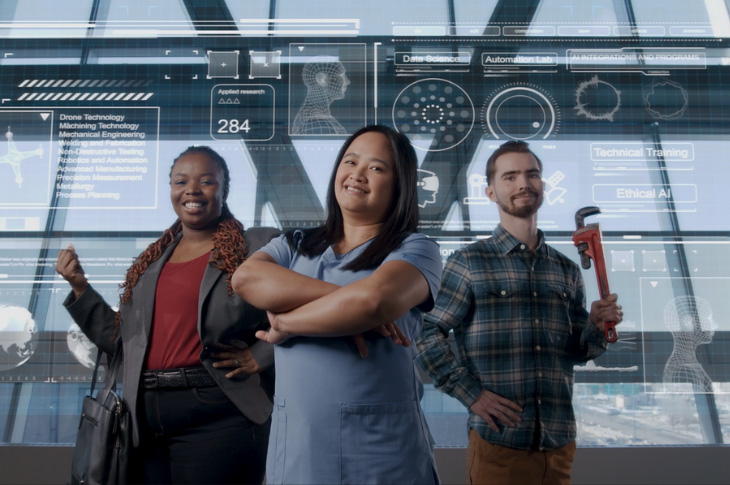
(181, 378)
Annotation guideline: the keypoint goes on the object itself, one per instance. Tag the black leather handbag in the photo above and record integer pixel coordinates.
(103, 441)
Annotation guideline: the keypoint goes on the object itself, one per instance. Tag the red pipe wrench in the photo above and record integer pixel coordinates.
(590, 247)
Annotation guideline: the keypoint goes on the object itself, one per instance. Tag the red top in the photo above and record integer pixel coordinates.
(174, 340)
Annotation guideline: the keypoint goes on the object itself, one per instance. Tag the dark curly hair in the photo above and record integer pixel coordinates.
(229, 247)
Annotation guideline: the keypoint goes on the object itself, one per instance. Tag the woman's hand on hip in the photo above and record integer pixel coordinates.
(241, 360)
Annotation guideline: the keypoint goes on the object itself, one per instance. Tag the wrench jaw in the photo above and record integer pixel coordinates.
(584, 234)
(581, 215)
(585, 259)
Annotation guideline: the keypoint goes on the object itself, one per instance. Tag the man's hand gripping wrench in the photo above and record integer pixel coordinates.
(590, 246)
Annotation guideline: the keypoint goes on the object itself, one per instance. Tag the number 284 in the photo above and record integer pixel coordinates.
(233, 126)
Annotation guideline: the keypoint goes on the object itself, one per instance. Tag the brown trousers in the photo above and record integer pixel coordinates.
(489, 464)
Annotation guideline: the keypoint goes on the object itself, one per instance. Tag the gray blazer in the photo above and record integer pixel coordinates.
(221, 318)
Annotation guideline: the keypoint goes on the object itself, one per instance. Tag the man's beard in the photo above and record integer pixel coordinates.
(522, 211)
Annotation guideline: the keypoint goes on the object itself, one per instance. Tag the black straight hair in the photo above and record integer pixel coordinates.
(403, 213)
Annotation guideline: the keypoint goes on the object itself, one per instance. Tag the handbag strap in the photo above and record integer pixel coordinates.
(96, 371)
(110, 382)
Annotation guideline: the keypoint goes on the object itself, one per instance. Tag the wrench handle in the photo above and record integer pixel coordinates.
(590, 244)
(602, 277)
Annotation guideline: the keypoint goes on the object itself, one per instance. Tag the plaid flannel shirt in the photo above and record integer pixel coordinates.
(520, 324)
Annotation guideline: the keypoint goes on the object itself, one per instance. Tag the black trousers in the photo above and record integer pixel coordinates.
(197, 436)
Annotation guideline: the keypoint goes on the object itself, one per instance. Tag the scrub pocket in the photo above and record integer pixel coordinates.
(384, 443)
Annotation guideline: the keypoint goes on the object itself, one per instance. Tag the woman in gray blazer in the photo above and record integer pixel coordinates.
(197, 382)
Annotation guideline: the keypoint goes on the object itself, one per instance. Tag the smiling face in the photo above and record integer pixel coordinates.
(196, 191)
(365, 179)
(517, 188)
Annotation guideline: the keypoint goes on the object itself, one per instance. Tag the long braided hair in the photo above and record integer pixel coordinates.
(229, 247)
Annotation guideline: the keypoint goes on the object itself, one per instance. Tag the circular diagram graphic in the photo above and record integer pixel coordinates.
(434, 108)
(666, 100)
(520, 112)
(597, 100)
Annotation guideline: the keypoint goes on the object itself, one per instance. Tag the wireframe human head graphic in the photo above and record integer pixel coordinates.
(690, 321)
(327, 75)
(690, 317)
(326, 81)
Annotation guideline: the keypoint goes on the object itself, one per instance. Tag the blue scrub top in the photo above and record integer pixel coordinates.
(339, 418)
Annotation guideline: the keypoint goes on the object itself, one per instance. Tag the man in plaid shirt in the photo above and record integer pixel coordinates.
(517, 309)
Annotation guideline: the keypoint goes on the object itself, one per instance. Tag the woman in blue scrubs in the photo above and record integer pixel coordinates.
(339, 417)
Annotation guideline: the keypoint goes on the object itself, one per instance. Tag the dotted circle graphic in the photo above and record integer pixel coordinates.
(434, 108)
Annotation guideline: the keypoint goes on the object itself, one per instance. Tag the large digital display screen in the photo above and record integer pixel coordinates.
(641, 140)
(636, 126)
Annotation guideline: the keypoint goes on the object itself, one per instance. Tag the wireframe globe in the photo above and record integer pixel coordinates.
(18, 336)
